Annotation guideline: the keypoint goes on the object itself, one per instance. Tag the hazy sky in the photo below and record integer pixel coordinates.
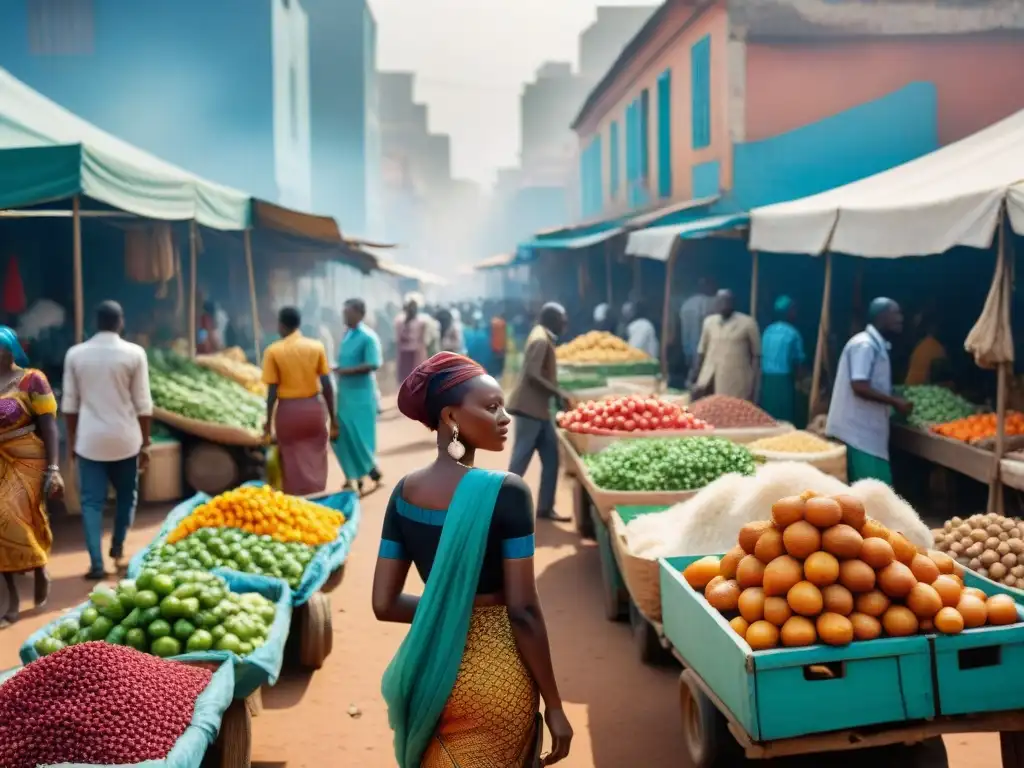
(472, 57)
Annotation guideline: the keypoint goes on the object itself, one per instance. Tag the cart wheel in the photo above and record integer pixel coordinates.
(645, 639)
(705, 730)
(581, 511)
(334, 580)
(1011, 747)
(235, 739)
(316, 633)
(211, 468)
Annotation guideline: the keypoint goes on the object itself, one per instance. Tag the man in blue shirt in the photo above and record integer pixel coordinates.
(782, 357)
(862, 396)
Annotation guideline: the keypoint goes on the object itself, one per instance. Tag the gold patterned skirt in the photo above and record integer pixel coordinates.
(490, 718)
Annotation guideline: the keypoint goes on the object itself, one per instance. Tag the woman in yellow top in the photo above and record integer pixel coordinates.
(28, 472)
(300, 402)
(926, 354)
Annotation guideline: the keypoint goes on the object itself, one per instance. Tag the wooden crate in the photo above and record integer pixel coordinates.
(780, 693)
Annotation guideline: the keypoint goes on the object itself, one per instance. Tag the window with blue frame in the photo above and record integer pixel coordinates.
(613, 159)
(645, 135)
(700, 85)
(591, 179)
(636, 153)
(665, 134)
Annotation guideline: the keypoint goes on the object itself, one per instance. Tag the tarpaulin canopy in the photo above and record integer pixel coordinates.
(47, 153)
(495, 262)
(950, 197)
(657, 242)
(409, 273)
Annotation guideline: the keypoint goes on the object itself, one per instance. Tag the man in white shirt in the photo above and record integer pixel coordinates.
(107, 407)
(641, 333)
(691, 319)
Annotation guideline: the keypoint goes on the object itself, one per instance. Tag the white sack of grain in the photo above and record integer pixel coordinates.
(883, 504)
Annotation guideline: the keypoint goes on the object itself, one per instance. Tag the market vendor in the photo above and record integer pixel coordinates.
(782, 361)
(729, 354)
(692, 314)
(640, 331)
(929, 357)
(296, 373)
(530, 406)
(862, 395)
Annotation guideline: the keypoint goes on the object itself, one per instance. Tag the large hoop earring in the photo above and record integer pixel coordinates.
(456, 449)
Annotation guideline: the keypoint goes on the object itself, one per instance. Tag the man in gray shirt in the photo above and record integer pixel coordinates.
(530, 406)
(862, 395)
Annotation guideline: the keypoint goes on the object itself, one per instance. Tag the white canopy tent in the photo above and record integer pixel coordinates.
(953, 196)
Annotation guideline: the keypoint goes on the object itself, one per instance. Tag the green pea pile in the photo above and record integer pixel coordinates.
(667, 464)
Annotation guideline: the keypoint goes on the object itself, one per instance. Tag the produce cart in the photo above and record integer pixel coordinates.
(737, 703)
(313, 641)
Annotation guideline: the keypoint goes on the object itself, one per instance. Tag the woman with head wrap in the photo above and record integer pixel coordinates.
(463, 688)
(29, 447)
(414, 331)
(782, 357)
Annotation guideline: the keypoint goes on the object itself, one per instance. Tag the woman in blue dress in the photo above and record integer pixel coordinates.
(358, 359)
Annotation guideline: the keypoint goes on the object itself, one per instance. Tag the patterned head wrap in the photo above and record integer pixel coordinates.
(9, 341)
(430, 379)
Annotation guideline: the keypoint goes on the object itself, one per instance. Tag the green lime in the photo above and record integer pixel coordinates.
(229, 643)
(88, 616)
(165, 647)
(136, 638)
(117, 635)
(244, 648)
(149, 616)
(218, 632)
(170, 608)
(201, 640)
(115, 612)
(159, 628)
(132, 619)
(145, 579)
(67, 629)
(189, 608)
(147, 598)
(100, 628)
(183, 629)
(190, 589)
(163, 584)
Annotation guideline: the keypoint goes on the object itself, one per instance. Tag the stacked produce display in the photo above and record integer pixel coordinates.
(990, 545)
(232, 364)
(982, 426)
(725, 412)
(599, 347)
(186, 389)
(616, 415)
(667, 464)
(935, 405)
(166, 612)
(252, 529)
(822, 571)
(97, 704)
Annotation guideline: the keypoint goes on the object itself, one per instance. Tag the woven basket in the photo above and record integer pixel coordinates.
(641, 575)
(215, 433)
(831, 462)
(606, 501)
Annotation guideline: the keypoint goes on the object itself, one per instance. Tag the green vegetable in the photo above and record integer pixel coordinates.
(165, 646)
(667, 464)
(181, 386)
(935, 405)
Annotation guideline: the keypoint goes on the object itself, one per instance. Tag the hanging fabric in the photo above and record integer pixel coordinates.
(14, 300)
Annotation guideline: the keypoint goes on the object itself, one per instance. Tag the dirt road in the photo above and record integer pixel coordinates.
(624, 714)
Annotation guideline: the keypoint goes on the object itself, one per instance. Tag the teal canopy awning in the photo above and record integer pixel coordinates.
(657, 242)
(48, 153)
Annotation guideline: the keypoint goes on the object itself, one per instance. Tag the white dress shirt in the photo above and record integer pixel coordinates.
(106, 382)
(643, 336)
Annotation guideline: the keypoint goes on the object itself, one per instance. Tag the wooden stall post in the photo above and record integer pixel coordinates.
(247, 239)
(192, 288)
(753, 285)
(819, 351)
(76, 251)
(995, 492)
(666, 309)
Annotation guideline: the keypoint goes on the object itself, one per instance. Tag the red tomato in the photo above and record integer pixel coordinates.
(630, 406)
(682, 421)
(620, 422)
(667, 422)
(599, 421)
(629, 425)
(643, 423)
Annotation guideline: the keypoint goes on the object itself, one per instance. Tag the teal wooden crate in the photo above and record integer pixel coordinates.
(774, 694)
(979, 669)
(609, 567)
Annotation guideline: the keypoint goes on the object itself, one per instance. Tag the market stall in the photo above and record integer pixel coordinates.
(965, 194)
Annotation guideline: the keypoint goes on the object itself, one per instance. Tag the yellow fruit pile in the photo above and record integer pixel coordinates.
(599, 347)
(232, 364)
(264, 512)
(822, 571)
(792, 442)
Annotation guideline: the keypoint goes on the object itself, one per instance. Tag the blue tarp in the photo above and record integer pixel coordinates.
(189, 750)
(328, 558)
(261, 667)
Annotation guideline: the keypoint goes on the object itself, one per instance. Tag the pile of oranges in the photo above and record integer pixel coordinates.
(980, 426)
(265, 512)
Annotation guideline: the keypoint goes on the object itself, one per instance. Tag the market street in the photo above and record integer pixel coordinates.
(624, 713)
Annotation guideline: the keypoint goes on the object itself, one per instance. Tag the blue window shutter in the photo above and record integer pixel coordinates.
(645, 135)
(665, 134)
(700, 76)
(613, 158)
(598, 175)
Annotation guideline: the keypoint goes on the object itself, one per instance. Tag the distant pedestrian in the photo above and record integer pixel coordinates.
(413, 335)
(782, 359)
(107, 407)
(530, 406)
(692, 315)
(359, 358)
(640, 331)
(729, 355)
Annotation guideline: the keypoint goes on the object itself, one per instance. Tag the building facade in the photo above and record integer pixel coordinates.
(710, 97)
(274, 97)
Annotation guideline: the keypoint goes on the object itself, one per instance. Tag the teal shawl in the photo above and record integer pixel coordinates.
(421, 676)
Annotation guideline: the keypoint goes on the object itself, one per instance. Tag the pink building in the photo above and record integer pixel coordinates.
(702, 78)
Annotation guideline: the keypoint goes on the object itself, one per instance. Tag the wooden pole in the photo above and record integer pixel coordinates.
(76, 250)
(819, 351)
(608, 271)
(247, 239)
(995, 492)
(192, 288)
(666, 309)
(753, 284)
